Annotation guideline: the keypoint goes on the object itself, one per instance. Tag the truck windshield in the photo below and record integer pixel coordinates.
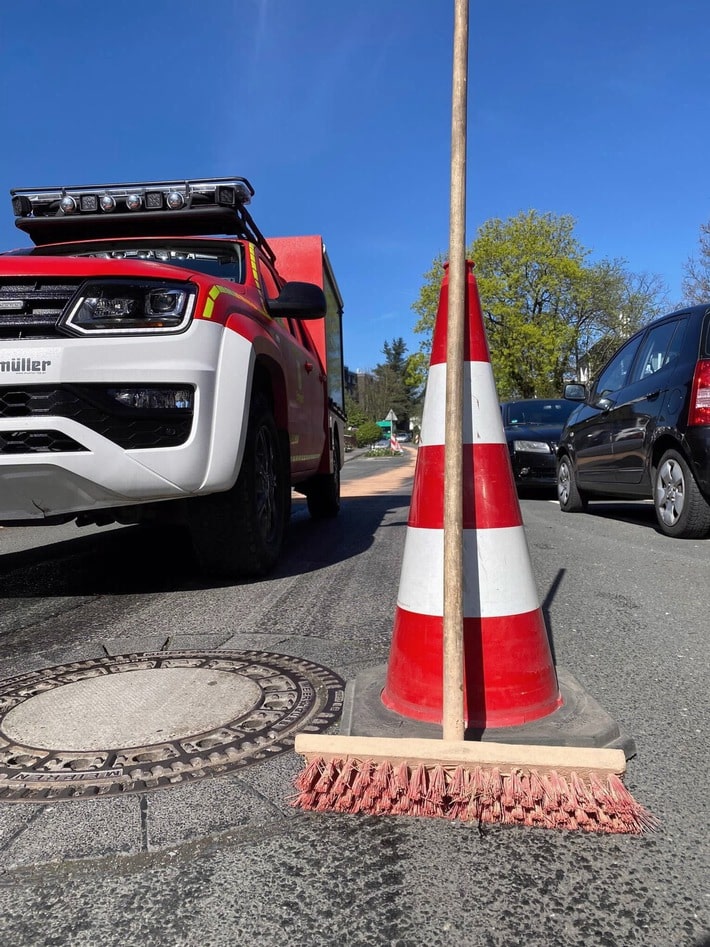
(223, 260)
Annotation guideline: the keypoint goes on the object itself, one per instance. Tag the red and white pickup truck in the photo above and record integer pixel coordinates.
(151, 371)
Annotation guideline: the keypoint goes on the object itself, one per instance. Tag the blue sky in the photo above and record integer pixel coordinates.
(339, 114)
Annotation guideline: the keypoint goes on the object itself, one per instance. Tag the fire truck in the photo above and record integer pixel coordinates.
(162, 362)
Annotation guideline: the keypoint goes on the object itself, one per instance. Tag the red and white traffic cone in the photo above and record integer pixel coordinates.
(509, 676)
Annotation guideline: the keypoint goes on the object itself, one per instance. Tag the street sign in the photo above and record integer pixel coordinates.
(391, 416)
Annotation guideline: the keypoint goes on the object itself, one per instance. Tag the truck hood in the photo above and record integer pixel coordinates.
(71, 266)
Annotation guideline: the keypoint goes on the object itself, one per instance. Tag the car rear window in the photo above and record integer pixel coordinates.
(661, 348)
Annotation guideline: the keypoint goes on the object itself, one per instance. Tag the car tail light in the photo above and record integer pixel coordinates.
(700, 398)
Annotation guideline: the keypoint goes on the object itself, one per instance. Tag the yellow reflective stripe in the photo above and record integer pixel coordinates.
(209, 305)
(255, 274)
(300, 457)
(217, 290)
(254, 267)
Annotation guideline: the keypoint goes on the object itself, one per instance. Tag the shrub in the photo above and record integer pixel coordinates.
(368, 433)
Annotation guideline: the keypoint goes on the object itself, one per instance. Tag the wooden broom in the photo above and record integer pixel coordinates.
(549, 786)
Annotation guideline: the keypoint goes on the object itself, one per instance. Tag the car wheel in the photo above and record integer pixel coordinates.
(681, 509)
(241, 531)
(571, 500)
(323, 492)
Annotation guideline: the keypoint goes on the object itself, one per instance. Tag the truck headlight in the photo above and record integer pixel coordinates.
(533, 447)
(110, 306)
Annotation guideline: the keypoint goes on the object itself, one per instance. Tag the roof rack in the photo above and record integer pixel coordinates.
(199, 207)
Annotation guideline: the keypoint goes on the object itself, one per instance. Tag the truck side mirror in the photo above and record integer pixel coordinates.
(299, 301)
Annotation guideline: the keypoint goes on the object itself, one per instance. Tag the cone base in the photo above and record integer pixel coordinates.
(579, 721)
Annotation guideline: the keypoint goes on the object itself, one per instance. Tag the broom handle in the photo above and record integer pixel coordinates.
(453, 703)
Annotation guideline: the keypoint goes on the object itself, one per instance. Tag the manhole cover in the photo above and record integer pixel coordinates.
(136, 722)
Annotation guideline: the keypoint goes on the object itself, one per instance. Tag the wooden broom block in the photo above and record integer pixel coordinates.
(505, 757)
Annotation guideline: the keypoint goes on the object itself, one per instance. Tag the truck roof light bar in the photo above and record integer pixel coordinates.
(192, 207)
(51, 201)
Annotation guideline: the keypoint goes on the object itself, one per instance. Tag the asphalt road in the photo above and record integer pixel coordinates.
(226, 861)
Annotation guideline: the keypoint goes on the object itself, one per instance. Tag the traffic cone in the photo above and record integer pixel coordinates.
(509, 675)
(545, 753)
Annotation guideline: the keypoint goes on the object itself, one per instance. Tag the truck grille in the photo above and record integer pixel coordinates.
(37, 442)
(91, 406)
(32, 308)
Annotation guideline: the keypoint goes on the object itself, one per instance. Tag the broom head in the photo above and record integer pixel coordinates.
(548, 786)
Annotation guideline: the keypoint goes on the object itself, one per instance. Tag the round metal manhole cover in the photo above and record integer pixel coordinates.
(136, 722)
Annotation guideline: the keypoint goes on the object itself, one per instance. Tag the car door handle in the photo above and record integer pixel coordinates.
(309, 366)
(653, 395)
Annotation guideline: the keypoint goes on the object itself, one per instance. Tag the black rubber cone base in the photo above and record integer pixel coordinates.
(579, 721)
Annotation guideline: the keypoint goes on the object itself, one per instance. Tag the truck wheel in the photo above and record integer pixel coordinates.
(323, 492)
(571, 500)
(681, 509)
(241, 532)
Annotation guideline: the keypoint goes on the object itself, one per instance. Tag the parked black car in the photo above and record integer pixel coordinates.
(532, 430)
(643, 431)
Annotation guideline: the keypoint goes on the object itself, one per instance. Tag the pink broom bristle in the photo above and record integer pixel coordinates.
(305, 800)
(418, 784)
(345, 777)
(537, 788)
(383, 778)
(323, 803)
(363, 778)
(309, 776)
(583, 795)
(460, 782)
(370, 798)
(403, 806)
(551, 800)
(554, 790)
(398, 784)
(516, 786)
(344, 802)
(328, 773)
(604, 796)
(623, 800)
(566, 799)
(507, 796)
(438, 786)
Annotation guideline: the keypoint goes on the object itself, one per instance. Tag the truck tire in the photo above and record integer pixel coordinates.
(240, 532)
(323, 491)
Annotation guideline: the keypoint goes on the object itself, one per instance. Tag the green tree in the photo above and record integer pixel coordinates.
(355, 414)
(395, 384)
(545, 306)
(610, 304)
(415, 373)
(696, 279)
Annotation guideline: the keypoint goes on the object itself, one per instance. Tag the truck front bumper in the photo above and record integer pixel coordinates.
(69, 467)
